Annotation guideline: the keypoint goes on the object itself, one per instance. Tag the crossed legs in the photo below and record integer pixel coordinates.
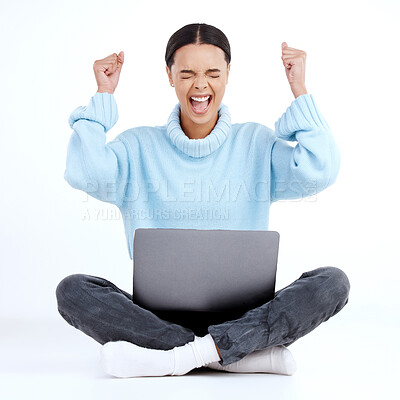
(107, 314)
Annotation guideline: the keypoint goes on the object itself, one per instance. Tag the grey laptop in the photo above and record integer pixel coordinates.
(203, 270)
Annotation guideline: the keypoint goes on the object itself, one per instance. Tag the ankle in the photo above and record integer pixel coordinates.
(219, 353)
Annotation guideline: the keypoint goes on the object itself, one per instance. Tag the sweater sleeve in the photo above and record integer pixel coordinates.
(97, 168)
(313, 163)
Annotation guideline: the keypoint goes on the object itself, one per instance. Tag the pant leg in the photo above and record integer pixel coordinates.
(293, 312)
(106, 313)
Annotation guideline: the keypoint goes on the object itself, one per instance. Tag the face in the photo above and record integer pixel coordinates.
(199, 74)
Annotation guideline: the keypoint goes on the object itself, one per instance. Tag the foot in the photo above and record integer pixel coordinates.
(124, 359)
(274, 360)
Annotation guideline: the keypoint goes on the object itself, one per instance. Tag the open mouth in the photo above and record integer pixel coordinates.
(200, 104)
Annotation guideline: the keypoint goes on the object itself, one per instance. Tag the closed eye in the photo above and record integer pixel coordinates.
(210, 76)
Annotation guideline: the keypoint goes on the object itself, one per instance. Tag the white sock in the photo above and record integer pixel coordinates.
(200, 352)
(124, 359)
(274, 360)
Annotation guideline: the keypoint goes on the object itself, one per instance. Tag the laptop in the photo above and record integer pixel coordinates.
(203, 271)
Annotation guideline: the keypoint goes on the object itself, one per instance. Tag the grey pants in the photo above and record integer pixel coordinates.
(106, 313)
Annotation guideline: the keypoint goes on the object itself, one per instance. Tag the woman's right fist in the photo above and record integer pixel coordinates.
(107, 72)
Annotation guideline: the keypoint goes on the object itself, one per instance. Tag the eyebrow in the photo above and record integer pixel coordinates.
(189, 71)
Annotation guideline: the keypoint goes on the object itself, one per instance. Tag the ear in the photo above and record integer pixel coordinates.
(227, 72)
(169, 74)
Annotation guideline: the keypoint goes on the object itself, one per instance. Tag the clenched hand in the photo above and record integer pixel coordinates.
(294, 61)
(107, 72)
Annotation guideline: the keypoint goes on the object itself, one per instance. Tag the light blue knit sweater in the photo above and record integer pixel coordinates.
(159, 178)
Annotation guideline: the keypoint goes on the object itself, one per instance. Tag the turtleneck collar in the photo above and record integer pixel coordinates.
(199, 147)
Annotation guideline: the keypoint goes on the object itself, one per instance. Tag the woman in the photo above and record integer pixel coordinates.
(145, 172)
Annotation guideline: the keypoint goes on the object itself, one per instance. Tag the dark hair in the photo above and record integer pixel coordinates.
(197, 34)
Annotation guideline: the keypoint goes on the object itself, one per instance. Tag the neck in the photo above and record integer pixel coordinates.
(197, 131)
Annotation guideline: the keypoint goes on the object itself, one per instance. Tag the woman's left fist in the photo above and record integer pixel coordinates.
(294, 61)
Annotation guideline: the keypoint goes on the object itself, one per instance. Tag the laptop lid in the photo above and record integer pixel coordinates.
(204, 270)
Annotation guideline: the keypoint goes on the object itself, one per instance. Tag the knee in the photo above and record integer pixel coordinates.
(68, 289)
(337, 284)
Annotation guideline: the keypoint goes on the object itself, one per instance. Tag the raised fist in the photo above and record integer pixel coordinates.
(294, 61)
(107, 72)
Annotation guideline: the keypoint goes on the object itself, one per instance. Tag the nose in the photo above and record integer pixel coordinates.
(201, 83)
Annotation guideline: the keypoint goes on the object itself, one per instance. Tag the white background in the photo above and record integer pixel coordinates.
(47, 51)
